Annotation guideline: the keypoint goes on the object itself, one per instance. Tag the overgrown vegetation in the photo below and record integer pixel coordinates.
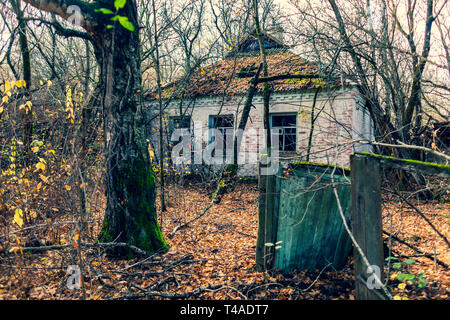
(79, 174)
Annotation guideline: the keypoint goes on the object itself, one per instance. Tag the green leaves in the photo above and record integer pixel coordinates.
(421, 281)
(123, 20)
(391, 258)
(127, 25)
(409, 262)
(401, 277)
(409, 277)
(405, 276)
(104, 11)
(397, 265)
(418, 280)
(119, 4)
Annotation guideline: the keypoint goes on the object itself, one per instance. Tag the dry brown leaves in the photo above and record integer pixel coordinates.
(403, 221)
(214, 258)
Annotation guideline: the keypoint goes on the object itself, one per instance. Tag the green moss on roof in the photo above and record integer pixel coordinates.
(221, 77)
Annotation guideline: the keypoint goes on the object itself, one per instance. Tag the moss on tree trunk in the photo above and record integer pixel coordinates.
(133, 219)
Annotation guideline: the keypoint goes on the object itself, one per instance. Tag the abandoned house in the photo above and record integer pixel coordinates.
(318, 119)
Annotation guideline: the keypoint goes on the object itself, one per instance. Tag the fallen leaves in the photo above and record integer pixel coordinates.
(40, 166)
(216, 251)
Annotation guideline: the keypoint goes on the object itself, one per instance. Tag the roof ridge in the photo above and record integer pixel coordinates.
(220, 77)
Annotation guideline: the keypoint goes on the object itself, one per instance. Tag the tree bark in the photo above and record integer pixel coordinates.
(245, 114)
(130, 215)
(26, 73)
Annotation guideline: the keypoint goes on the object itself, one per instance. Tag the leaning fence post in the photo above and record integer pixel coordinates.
(367, 225)
(267, 226)
(260, 243)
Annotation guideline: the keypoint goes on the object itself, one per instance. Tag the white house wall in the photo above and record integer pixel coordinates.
(341, 119)
(363, 128)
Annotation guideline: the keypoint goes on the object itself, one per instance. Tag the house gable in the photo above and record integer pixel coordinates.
(250, 45)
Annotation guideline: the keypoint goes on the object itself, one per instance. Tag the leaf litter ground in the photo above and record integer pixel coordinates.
(214, 258)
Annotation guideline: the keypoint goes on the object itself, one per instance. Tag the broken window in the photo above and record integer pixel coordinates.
(179, 128)
(284, 131)
(179, 122)
(221, 133)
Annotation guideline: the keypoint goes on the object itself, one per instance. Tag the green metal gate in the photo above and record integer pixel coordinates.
(307, 232)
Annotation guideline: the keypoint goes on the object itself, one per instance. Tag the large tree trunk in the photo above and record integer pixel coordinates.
(130, 182)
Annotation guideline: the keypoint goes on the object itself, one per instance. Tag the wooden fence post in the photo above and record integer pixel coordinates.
(260, 243)
(270, 231)
(367, 224)
(267, 228)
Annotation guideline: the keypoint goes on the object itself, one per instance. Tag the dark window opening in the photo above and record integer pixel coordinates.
(223, 124)
(284, 131)
(254, 45)
(178, 122)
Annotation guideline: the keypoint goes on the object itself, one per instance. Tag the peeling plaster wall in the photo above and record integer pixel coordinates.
(341, 118)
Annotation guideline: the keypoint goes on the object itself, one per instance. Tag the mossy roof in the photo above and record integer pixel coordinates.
(221, 78)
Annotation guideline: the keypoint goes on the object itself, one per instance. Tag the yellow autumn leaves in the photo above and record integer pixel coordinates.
(401, 286)
(150, 152)
(8, 86)
(49, 83)
(40, 165)
(36, 146)
(15, 176)
(27, 106)
(7, 89)
(18, 217)
(69, 105)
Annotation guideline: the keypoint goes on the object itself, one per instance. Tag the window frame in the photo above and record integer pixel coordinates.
(223, 130)
(295, 114)
(180, 118)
